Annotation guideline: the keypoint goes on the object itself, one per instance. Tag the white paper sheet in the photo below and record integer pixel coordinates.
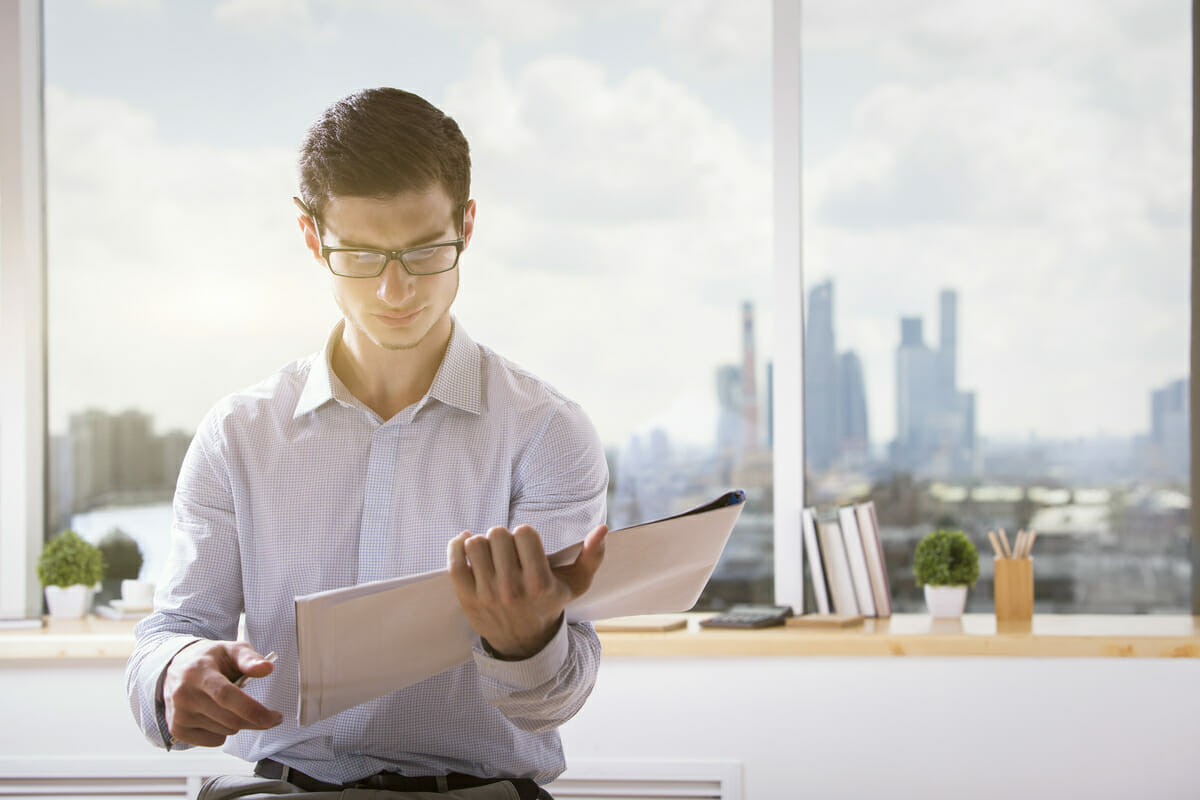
(365, 641)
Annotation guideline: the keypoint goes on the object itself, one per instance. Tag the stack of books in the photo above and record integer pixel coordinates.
(844, 563)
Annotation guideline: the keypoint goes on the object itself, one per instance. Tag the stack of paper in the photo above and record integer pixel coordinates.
(362, 642)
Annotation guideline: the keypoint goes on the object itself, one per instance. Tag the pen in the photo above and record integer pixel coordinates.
(240, 682)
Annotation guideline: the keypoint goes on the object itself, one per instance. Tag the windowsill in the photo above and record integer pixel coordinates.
(1049, 636)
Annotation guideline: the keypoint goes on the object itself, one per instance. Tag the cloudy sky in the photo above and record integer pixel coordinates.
(1034, 157)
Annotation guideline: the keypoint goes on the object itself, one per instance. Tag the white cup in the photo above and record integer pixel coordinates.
(137, 594)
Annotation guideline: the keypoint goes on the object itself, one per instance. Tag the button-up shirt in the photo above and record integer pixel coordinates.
(293, 486)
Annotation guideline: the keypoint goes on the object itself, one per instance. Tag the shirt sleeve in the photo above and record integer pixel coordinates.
(561, 491)
(200, 596)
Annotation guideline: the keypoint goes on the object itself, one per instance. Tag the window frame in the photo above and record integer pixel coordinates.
(23, 432)
(22, 309)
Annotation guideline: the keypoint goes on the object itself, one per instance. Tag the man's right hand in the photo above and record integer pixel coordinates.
(202, 704)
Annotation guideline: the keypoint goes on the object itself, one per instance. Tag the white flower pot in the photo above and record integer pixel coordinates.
(946, 602)
(69, 602)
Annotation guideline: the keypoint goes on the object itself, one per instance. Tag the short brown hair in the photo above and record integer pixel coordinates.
(381, 143)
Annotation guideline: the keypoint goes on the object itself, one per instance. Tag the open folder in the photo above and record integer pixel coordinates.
(365, 641)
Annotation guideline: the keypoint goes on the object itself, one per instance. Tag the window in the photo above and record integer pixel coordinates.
(622, 168)
(996, 272)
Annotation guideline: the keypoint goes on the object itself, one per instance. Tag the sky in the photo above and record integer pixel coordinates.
(1034, 157)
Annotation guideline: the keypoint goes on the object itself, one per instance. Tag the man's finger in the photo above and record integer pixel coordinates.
(479, 553)
(535, 567)
(456, 559)
(578, 575)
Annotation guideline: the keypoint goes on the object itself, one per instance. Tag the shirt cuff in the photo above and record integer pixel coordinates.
(530, 672)
(160, 705)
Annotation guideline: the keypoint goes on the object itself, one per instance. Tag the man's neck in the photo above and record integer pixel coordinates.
(389, 381)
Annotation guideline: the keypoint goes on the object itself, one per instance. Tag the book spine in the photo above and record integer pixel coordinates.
(816, 569)
(841, 586)
(858, 561)
(868, 525)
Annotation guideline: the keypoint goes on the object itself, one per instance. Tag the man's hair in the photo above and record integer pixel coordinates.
(380, 143)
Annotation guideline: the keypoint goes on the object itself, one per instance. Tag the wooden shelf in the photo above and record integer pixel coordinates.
(1049, 636)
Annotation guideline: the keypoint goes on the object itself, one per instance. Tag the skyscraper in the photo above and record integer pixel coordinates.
(935, 422)
(820, 380)
(749, 390)
(853, 434)
(1169, 428)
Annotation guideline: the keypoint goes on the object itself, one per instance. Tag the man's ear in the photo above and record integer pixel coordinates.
(468, 223)
(309, 230)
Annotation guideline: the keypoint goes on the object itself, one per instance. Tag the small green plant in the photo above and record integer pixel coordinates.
(122, 556)
(68, 559)
(946, 558)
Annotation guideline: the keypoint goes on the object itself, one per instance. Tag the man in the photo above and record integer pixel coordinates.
(376, 458)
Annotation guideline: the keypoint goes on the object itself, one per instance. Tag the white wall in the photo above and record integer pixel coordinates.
(802, 727)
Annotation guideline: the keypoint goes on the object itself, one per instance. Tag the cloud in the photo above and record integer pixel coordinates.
(168, 264)
(293, 17)
(1037, 160)
(625, 219)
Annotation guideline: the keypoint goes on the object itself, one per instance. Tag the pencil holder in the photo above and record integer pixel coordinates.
(1013, 589)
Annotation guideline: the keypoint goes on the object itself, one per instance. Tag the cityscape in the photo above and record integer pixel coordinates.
(1111, 513)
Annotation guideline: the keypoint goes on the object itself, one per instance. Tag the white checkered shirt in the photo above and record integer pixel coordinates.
(293, 486)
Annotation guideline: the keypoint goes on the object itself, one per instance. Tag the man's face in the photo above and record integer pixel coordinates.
(394, 311)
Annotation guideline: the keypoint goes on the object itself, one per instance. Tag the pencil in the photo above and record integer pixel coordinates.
(1019, 545)
(995, 544)
(1032, 539)
(1004, 542)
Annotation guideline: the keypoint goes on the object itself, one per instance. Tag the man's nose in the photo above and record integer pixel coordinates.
(395, 284)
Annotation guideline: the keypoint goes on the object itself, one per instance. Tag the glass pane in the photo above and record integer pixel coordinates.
(996, 252)
(622, 249)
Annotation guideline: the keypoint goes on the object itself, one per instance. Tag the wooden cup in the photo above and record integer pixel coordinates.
(1013, 588)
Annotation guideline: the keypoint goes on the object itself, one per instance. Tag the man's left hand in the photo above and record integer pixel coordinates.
(508, 590)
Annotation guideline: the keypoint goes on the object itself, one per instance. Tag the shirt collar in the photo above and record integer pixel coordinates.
(458, 381)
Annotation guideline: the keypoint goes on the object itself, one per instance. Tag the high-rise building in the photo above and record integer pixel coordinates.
(1170, 433)
(935, 422)
(853, 434)
(730, 437)
(820, 380)
(107, 459)
(749, 387)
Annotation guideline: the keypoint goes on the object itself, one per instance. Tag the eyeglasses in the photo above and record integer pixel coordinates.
(364, 262)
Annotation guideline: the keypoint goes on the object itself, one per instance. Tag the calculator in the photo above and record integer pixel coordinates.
(749, 616)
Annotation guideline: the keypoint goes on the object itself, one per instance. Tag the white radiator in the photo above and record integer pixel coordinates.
(156, 778)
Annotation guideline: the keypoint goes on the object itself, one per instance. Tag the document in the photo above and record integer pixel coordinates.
(362, 642)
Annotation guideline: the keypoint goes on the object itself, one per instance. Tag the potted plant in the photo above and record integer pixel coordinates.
(122, 561)
(69, 568)
(946, 563)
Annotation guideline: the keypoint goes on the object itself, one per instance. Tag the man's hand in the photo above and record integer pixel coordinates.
(508, 591)
(202, 704)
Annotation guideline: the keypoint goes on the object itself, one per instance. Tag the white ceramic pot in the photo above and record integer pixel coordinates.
(69, 602)
(946, 602)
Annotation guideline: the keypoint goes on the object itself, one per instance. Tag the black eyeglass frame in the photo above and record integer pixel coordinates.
(389, 255)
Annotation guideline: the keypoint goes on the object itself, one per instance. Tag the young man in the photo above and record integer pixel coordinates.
(376, 458)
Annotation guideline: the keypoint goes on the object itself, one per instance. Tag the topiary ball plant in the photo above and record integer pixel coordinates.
(69, 559)
(122, 556)
(946, 558)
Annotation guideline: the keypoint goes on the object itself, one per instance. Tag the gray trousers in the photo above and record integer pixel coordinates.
(241, 787)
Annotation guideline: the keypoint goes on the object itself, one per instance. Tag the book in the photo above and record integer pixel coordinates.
(837, 568)
(868, 526)
(814, 564)
(361, 642)
(20, 623)
(857, 560)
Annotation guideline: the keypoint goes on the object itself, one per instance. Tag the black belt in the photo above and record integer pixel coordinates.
(391, 781)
